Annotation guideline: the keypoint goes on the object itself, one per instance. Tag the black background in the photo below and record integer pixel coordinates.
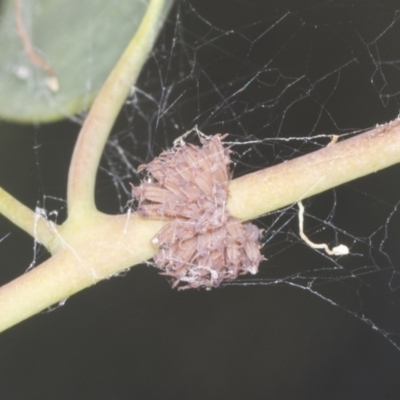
(134, 337)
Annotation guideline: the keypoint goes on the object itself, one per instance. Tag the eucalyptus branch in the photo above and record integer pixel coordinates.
(106, 246)
(109, 244)
(104, 111)
(91, 246)
(272, 188)
(30, 222)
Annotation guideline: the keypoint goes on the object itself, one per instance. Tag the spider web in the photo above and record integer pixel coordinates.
(281, 83)
(281, 78)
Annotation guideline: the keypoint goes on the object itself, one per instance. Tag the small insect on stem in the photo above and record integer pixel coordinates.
(202, 245)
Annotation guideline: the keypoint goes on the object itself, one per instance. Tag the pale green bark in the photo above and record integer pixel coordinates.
(284, 184)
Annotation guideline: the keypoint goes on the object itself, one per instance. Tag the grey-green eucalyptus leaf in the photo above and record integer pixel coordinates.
(80, 39)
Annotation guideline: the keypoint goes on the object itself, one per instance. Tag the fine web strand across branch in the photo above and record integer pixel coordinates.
(26, 219)
(102, 115)
(285, 184)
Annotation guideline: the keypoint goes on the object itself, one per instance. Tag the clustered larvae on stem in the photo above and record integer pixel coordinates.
(202, 245)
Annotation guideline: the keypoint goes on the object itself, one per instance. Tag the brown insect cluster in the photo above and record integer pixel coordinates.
(202, 245)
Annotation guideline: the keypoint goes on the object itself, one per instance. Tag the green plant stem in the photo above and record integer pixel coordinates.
(105, 109)
(272, 188)
(91, 246)
(107, 245)
(35, 225)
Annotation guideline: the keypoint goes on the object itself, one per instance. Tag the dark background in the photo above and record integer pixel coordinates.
(228, 70)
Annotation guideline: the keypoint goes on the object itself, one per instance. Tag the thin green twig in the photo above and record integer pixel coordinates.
(272, 188)
(32, 223)
(105, 109)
